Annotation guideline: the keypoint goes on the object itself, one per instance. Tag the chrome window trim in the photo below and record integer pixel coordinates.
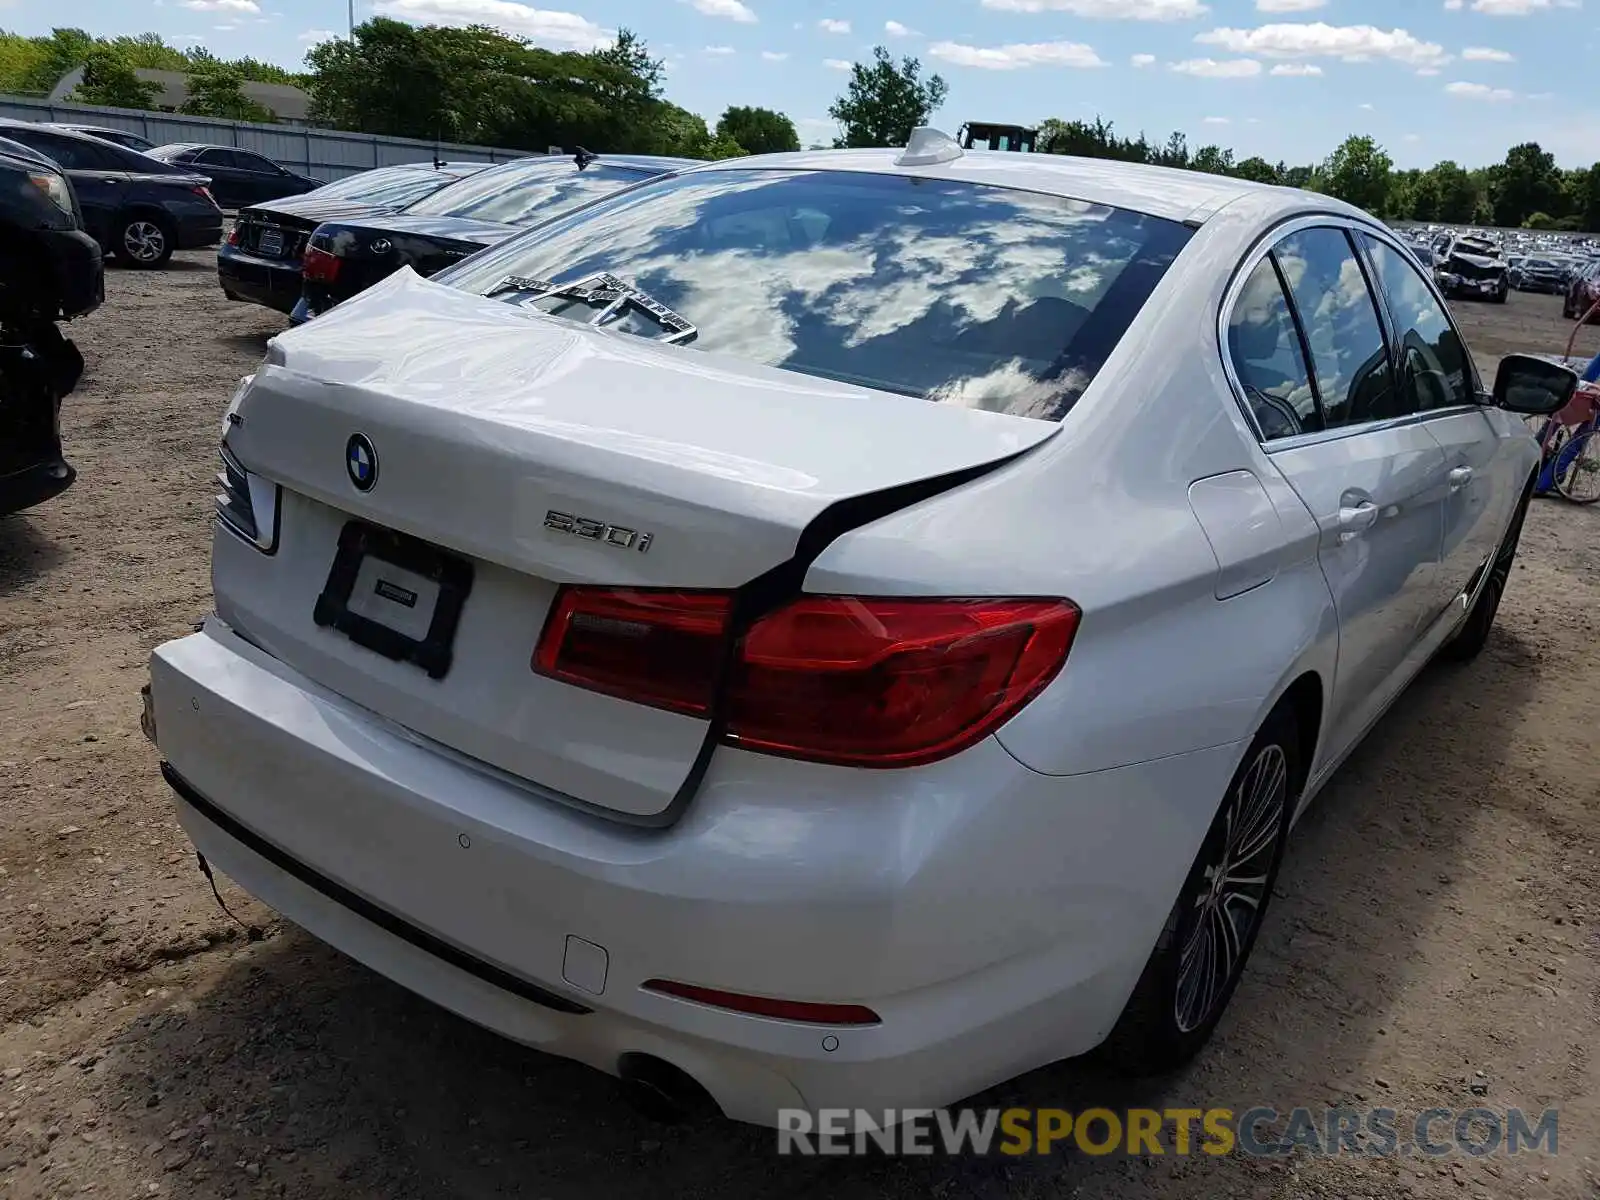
(1246, 267)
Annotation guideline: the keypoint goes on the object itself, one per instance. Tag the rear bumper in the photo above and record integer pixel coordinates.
(994, 918)
(34, 485)
(196, 231)
(274, 283)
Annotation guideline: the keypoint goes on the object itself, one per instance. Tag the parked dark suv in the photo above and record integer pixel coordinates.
(137, 208)
(238, 177)
(49, 271)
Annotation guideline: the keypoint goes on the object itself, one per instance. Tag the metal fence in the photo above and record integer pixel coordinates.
(321, 153)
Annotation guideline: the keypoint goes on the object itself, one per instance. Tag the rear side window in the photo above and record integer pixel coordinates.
(1265, 350)
(522, 193)
(1339, 315)
(216, 158)
(960, 293)
(73, 154)
(1436, 371)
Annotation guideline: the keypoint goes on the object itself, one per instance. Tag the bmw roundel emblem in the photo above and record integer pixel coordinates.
(361, 461)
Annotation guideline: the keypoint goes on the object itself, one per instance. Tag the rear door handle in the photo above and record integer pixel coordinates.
(1459, 478)
(1356, 519)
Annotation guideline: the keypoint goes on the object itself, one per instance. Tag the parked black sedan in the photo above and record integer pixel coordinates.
(344, 257)
(1534, 274)
(50, 270)
(138, 208)
(128, 141)
(238, 177)
(260, 261)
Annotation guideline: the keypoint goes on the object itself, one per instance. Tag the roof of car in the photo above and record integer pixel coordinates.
(1158, 191)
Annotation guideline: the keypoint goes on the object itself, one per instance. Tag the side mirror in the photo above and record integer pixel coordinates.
(1534, 387)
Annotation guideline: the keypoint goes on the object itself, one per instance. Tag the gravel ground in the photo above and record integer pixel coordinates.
(1436, 940)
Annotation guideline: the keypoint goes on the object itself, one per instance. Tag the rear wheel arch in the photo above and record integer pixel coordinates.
(1304, 699)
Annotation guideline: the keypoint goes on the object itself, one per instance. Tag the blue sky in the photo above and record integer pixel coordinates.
(1288, 79)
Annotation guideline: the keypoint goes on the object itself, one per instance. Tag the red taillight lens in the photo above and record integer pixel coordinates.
(319, 266)
(206, 192)
(886, 682)
(764, 1006)
(659, 648)
(233, 236)
(859, 681)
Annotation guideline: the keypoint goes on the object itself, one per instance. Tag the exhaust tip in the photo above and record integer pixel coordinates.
(663, 1092)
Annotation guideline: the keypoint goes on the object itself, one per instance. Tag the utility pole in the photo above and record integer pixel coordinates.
(352, 20)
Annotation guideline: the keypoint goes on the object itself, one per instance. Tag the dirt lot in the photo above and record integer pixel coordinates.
(1436, 941)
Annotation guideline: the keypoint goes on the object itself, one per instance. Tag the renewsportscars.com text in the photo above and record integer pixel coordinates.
(1258, 1132)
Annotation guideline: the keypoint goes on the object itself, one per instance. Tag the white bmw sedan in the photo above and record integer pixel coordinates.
(838, 629)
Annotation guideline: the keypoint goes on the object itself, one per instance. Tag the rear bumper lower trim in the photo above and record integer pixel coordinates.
(382, 918)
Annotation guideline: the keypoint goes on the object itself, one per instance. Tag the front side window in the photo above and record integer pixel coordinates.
(1340, 317)
(522, 193)
(1436, 370)
(1267, 358)
(960, 293)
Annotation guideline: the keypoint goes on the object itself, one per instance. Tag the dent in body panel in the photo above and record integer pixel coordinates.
(1240, 522)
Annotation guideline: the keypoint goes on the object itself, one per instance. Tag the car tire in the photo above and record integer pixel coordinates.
(144, 241)
(1500, 296)
(1185, 989)
(1474, 632)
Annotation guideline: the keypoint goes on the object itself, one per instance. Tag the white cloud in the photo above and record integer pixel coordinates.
(1353, 43)
(1485, 54)
(1365, 107)
(225, 28)
(1210, 68)
(1519, 8)
(1479, 91)
(1282, 6)
(1215, 121)
(1452, 5)
(833, 25)
(774, 55)
(1296, 69)
(1412, 137)
(233, 6)
(895, 29)
(733, 10)
(1427, 70)
(561, 30)
(1017, 55)
(1110, 10)
(837, 64)
(317, 35)
(1143, 60)
(719, 51)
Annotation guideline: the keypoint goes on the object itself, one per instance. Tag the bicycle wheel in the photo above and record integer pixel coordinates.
(1578, 468)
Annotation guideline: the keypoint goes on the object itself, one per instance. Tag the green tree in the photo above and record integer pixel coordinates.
(217, 91)
(1588, 213)
(1539, 220)
(1213, 160)
(1258, 169)
(1357, 173)
(1527, 182)
(1458, 194)
(108, 79)
(758, 130)
(884, 102)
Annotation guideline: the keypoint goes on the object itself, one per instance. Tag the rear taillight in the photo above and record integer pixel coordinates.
(858, 681)
(233, 235)
(318, 266)
(205, 192)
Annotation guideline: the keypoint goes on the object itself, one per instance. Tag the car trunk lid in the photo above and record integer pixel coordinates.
(542, 452)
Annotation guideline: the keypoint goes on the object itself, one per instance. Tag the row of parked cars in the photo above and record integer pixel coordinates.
(1490, 264)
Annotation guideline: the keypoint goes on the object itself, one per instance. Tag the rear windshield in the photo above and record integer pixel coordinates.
(522, 193)
(390, 189)
(960, 293)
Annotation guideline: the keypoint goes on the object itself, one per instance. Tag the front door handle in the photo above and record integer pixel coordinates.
(1356, 519)
(1459, 478)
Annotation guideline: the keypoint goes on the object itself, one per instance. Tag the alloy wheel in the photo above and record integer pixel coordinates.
(1224, 908)
(144, 241)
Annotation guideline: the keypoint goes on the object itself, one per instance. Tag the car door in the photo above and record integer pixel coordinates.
(1482, 471)
(96, 176)
(261, 178)
(227, 181)
(1339, 433)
